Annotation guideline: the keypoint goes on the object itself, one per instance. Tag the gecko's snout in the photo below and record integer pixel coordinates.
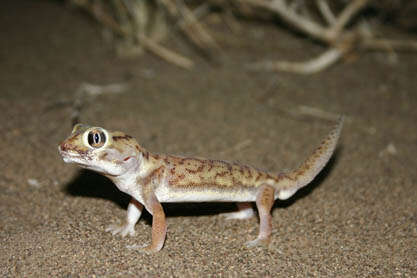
(63, 147)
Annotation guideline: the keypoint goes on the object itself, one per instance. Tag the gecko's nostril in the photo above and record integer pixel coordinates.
(63, 147)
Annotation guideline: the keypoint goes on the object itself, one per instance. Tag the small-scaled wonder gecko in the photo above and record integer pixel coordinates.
(151, 179)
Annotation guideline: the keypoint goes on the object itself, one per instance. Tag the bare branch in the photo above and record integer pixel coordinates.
(326, 12)
(351, 9)
(149, 44)
(315, 65)
(310, 27)
(165, 53)
(192, 28)
(202, 37)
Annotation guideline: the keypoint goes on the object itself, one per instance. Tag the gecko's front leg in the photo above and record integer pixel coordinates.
(134, 211)
(159, 228)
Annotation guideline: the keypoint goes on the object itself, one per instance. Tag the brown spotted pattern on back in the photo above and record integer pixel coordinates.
(195, 172)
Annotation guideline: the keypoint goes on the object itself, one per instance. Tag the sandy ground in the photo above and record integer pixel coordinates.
(357, 219)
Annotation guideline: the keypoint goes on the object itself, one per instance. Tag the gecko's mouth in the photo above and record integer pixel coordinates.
(71, 156)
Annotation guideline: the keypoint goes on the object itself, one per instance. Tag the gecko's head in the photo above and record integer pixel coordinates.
(108, 152)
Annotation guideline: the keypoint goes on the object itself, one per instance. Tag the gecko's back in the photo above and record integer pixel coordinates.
(196, 172)
(196, 179)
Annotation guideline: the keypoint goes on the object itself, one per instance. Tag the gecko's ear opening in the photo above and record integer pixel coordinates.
(128, 158)
(130, 162)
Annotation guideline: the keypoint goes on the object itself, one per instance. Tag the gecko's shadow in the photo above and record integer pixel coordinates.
(93, 185)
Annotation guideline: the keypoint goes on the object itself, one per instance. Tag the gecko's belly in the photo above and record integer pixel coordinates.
(167, 195)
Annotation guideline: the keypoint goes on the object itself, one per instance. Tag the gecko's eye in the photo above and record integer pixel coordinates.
(96, 138)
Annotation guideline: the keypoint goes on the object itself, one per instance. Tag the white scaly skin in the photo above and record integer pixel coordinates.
(153, 178)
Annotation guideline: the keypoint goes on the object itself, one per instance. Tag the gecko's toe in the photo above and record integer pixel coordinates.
(122, 229)
(147, 249)
(258, 242)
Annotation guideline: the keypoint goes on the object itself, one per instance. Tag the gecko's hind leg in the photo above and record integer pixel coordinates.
(244, 211)
(264, 202)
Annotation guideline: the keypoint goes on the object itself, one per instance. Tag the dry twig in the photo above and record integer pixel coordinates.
(336, 36)
(191, 26)
(134, 20)
(325, 11)
(124, 11)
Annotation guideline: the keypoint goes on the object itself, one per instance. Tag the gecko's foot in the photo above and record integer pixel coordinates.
(258, 242)
(240, 214)
(122, 229)
(147, 249)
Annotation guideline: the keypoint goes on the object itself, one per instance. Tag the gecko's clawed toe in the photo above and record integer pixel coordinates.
(122, 229)
(258, 242)
(147, 249)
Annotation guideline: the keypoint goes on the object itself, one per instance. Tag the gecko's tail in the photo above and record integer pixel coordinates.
(289, 183)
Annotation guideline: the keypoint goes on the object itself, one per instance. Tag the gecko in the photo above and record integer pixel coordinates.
(151, 179)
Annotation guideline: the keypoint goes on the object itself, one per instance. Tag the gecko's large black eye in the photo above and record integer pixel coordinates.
(96, 138)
